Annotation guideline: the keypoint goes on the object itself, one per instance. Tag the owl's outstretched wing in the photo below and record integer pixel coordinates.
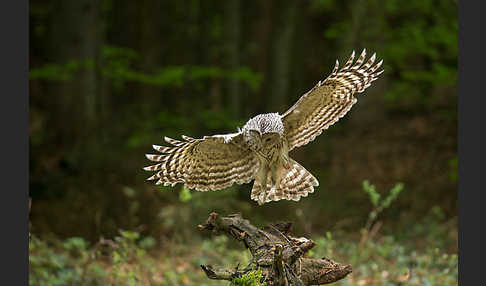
(211, 163)
(328, 100)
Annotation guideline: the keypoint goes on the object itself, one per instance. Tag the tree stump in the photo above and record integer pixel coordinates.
(278, 254)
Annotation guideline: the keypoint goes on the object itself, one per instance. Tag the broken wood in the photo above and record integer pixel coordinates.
(276, 252)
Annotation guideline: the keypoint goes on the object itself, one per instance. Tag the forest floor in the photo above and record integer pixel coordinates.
(430, 258)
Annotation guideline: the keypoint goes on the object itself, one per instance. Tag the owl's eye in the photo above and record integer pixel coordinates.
(268, 139)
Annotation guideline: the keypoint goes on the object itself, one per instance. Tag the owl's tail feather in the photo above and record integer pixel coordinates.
(296, 182)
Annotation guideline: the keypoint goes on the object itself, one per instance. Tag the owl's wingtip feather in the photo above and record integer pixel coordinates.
(148, 168)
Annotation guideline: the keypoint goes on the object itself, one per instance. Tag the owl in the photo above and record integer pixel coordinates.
(259, 151)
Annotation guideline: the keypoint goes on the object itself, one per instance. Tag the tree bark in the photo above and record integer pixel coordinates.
(276, 252)
(232, 11)
(283, 39)
(76, 37)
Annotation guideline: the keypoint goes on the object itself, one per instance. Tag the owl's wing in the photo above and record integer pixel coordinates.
(328, 100)
(211, 163)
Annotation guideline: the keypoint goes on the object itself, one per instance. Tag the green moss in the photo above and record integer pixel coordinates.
(252, 278)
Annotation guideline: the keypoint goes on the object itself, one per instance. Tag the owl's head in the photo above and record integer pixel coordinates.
(263, 131)
(258, 141)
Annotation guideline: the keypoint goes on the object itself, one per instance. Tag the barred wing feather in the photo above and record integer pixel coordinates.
(211, 163)
(329, 100)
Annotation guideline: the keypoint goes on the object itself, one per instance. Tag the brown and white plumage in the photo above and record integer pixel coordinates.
(260, 149)
(296, 183)
(211, 163)
(329, 100)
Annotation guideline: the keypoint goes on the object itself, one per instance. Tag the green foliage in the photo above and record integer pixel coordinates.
(117, 66)
(375, 198)
(421, 48)
(252, 278)
(370, 190)
(185, 195)
(60, 72)
(435, 230)
(417, 41)
(72, 262)
(62, 263)
(218, 120)
(127, 252)
(247, 75)
(391, 259)
(386, 260)
(326, 246)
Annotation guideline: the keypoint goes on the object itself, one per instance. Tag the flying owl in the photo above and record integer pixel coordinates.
(260, 150)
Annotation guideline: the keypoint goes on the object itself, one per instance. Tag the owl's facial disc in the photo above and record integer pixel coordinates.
(255, 140)
(270, 138)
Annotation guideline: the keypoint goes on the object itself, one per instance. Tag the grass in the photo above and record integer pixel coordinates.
(131, 260)
(424, 254)
(126, 261)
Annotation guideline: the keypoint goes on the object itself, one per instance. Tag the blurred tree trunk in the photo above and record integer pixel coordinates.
(354, 36)
(103, 86)
(232, 29)
(128, 38)
(283, 37)
(76, 37)
(365, 18)
(262, 31)
(149, 47)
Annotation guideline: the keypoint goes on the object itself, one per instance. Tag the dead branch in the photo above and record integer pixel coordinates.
(279, 255)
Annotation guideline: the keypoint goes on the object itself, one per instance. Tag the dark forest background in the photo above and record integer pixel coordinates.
(110, 78)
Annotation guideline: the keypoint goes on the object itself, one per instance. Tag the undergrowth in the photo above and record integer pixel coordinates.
(427, 255)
